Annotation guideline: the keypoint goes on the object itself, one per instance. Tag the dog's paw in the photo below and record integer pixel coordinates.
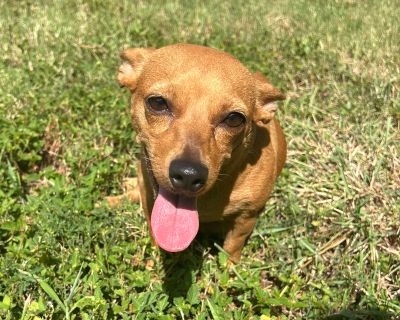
(115, 201)
(130, 184)
(233, 260)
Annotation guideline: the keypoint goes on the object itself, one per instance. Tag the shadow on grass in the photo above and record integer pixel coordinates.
(180, 271)
(372, 314)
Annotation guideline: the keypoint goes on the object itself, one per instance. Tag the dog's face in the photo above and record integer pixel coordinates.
(192, 107)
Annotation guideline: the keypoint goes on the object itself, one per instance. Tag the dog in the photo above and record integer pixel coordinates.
(211, 147)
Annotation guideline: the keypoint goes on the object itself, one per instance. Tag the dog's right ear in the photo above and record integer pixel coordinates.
(267, 97)
(132, 65)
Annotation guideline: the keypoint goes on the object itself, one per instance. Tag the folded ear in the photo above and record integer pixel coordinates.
(132, 65)
(267, 96)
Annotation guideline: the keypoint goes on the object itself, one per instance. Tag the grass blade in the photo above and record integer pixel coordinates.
(51, 293)
(71, 293)
(46, 287)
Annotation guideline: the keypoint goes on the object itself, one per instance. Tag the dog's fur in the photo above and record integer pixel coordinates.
(203, 85)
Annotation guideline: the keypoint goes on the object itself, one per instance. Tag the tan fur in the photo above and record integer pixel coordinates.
(204, 84)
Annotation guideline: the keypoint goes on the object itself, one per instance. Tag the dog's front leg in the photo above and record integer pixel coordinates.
(239, 230)
(131, 193)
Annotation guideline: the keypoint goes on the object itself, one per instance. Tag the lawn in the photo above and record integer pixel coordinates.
(327, 245)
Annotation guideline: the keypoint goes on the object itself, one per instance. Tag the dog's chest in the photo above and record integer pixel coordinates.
(247, 195)
(211, 211)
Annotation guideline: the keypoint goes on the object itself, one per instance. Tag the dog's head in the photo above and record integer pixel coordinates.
(194, 109)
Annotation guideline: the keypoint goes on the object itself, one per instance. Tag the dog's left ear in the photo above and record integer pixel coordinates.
(267, 95)
(132, 65)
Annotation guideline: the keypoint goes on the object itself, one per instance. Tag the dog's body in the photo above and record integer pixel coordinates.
(211, 147)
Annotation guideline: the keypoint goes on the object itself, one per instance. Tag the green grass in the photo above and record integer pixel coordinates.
(328, 243)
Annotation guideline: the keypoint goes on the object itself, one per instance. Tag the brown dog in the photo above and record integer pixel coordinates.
(211, 147)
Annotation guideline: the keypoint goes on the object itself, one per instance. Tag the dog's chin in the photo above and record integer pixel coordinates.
(181, 193)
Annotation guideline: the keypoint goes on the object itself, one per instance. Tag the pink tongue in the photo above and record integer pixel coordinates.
(174, 221)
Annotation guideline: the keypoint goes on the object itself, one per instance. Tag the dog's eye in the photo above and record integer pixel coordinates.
(234, 119)
(157, 104)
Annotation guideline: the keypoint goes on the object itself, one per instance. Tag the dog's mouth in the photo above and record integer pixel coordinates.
(174, 220)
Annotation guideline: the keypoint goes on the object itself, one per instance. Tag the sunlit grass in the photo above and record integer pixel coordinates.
(328, 242)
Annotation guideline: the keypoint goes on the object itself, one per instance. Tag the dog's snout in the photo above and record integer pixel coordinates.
(187, 176)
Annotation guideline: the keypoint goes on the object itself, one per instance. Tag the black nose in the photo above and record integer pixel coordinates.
(187, 176)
